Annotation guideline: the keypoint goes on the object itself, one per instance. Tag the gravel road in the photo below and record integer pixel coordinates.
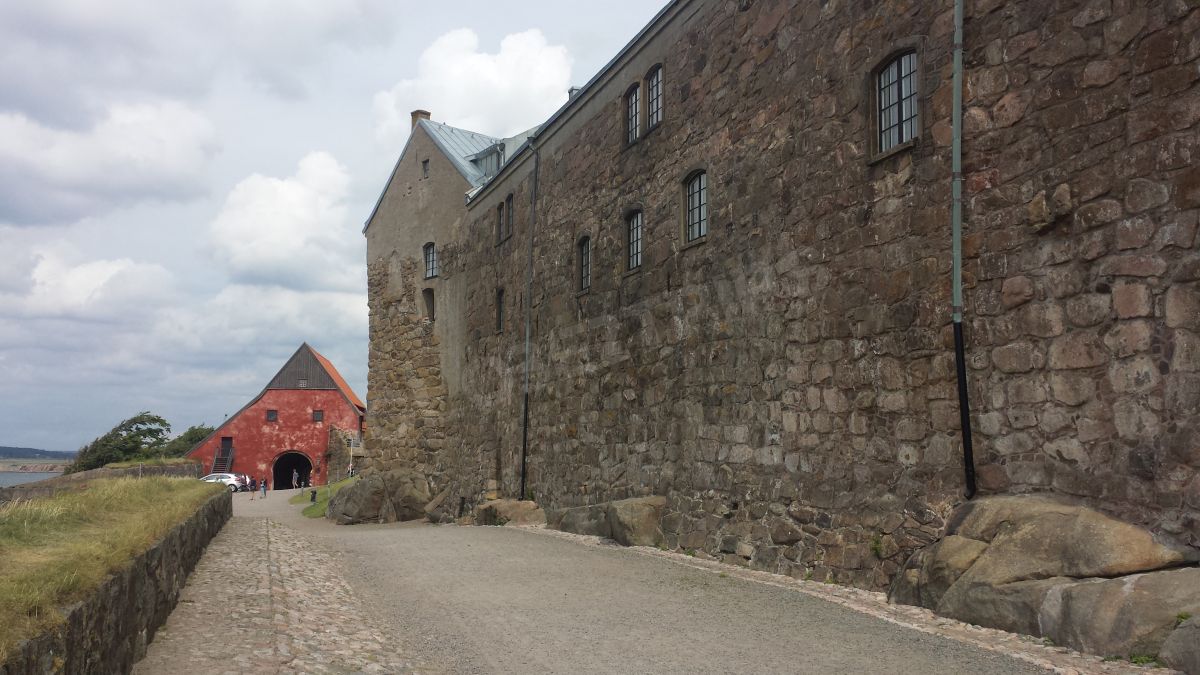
(421, 598)
(506, 600)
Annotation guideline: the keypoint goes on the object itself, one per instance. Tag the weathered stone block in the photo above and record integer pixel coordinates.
(1076, 350)
(1182, 307)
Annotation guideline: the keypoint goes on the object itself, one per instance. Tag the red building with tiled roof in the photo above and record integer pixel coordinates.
(286, 427)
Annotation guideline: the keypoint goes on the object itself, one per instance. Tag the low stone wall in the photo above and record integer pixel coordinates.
(75, 481)
(108, 632)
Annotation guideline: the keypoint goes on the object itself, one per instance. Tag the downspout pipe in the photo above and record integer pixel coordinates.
(533, 197)
(956, 298)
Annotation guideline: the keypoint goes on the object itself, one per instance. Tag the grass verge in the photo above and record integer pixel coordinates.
(58, 549)
(151, 461)
(324, 494)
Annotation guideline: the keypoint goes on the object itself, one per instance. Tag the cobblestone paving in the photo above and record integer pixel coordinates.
(267, 599)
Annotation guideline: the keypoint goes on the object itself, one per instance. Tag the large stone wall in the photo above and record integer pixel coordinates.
(788, 383)
(108, 632)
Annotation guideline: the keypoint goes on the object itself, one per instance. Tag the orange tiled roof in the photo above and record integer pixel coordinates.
(338, 379)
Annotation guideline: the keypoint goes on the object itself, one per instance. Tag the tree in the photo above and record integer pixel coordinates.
(128, 440)
(179, 446)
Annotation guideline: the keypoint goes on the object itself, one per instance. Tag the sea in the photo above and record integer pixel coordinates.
(8, 478)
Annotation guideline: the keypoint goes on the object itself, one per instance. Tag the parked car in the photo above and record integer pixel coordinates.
(235, 482)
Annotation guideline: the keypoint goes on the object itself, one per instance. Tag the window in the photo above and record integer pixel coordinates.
(427, 296)
(585, 263)
(696, 194)
(272, 415)
(508, 216)
(318, 415)
(424, 168)
(500, 223)
(431, 261)
(633, 114)
(654, 103)
(499, 310)
(303, 383)
(896, 90)
(633, 238)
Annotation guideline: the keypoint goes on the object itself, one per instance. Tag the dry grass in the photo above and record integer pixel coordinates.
(57, 549)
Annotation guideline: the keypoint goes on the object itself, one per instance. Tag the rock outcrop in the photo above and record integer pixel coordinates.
(630, 522)
(1045, 567)
(509, 512)
(382, 497)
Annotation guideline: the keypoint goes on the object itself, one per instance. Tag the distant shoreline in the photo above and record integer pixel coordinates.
(7, 467)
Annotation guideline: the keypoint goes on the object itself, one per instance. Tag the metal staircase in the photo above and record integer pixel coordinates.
(222, 460)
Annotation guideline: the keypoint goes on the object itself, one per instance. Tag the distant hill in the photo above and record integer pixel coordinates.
(7, 452)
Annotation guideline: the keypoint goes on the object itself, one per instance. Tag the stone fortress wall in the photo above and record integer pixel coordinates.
(788, 383)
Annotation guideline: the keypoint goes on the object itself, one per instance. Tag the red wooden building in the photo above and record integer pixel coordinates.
(287, 426)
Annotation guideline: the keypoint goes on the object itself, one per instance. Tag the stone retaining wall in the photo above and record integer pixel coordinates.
(108, 632)
(75, 481)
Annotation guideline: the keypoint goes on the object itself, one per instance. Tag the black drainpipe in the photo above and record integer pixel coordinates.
(960, 365)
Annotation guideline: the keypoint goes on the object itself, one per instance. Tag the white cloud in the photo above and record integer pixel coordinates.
(155, 150)
(293, 232)
(497, 94)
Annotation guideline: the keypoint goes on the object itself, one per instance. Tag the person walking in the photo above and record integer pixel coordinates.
(263, 486)
(253, 488)
(295, 478)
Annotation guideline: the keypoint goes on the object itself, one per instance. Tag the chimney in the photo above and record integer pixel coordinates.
(418, 115)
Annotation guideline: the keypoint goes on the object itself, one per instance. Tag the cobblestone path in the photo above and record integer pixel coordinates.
(266, 598)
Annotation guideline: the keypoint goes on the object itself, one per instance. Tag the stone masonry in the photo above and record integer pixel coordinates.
(787, 382)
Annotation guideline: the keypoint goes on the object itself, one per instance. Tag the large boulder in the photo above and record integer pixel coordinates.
(1126, 616)
(381, 497)
(1038, 537)
(591, 520)
(637, 521)
(1181, 650)
(1046, 567)
(509, 512)
(933, 570)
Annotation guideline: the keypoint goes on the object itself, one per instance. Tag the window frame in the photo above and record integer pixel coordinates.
(633, 113)
(318, 416)
(499, 310)
(583, 264)
(429, 255)
(915, 123)
(700, 207)
(654, 95)
(430, 303)
(425, 168)
(272, 415)
(634, 258)
(508, 216)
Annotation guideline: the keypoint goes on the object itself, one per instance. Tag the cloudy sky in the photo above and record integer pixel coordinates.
(183, 184)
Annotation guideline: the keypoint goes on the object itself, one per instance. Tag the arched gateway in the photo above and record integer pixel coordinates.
(285, 464)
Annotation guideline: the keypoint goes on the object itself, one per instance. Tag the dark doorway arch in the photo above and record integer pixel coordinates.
(285, 464)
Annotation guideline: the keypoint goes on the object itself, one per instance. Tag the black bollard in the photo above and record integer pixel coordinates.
(312, 496)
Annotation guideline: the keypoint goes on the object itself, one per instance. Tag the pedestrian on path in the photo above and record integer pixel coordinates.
(263, 485)
(295, 478)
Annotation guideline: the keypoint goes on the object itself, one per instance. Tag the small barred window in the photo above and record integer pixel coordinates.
(696, 192)
(654, 103)
(633, 114)
(634, 239)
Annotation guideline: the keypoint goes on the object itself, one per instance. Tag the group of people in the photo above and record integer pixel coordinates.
(257, 484)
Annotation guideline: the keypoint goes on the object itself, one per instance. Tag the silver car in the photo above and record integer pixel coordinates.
(234, 481)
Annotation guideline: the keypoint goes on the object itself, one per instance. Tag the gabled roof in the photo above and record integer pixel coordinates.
(306, 369)
(458, 145)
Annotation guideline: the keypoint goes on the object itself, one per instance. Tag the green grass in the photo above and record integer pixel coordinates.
(58, 549)
(324, 494)
(151, 461)
(1143, 660)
